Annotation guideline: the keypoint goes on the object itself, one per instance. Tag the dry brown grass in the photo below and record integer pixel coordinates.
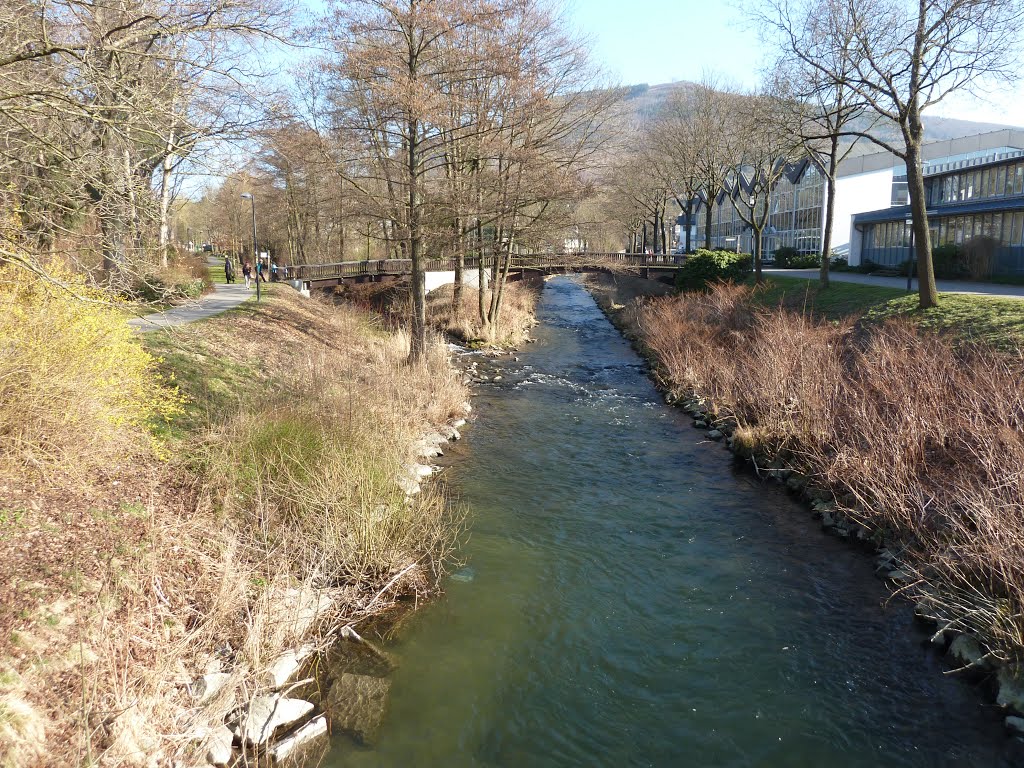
(916, 436)
(517, 314)
(116, 593)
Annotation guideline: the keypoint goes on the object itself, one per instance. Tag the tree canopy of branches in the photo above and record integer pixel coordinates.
(101, 103)
(467, 119)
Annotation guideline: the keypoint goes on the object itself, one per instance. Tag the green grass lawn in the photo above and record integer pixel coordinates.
(837, 301)
(992, 320)
(989, 319)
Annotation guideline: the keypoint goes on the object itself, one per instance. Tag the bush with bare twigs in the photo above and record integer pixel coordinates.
(76, 386)
(916, 436)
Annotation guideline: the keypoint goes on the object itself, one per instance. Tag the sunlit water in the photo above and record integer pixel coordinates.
(636, 600)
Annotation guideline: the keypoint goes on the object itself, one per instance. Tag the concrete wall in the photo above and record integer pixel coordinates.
(470, 277)
(858, 193)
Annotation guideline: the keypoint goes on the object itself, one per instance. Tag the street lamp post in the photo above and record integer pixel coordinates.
(255, 252)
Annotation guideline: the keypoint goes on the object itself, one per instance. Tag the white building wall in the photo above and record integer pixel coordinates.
(470, 278)
(858, 193)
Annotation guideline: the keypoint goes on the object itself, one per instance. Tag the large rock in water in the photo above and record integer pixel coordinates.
(357, 705)
(967, 650)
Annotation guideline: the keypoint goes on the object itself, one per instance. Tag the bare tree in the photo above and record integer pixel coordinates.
(902, 57)
(711, 157)
(826, 108)
(763, 146)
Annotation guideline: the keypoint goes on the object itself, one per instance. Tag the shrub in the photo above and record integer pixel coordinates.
(704, 268)
(185, 277)
(979, 256)
(946, 259)
(75, 383)
(839, 263)
(791, 258)
(867, 413)
(783, 256)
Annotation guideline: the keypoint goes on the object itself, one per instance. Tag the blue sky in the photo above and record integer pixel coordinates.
(658, 41)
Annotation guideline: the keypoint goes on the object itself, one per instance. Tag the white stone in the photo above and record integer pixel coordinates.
(218, 746)
(966, 650)
(459, 423)
(266, 714)
(300, 608)
(409, 486)
(450, 433)
(427, 450)
(467, 408)
(285, 666)
(424, 470)
(209, 685)
(314, 729)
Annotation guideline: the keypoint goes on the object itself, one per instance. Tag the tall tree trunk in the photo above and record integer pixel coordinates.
(707, 225)
(165, 199)
(664, 228)
(460, 265)
(830, 207)
(758, 245)
(927, 292)
(418, 339)
(689, 221)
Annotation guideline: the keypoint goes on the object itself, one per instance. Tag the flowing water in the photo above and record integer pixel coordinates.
(633, 598)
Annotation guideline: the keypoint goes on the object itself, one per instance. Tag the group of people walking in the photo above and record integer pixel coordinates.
(248, 272)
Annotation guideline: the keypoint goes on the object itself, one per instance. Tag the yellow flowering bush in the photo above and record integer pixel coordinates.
(76, 386)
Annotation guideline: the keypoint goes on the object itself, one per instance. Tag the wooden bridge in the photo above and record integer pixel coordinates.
(306, 276)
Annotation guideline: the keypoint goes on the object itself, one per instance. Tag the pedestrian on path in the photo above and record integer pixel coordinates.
(247, 274)
(229, 270)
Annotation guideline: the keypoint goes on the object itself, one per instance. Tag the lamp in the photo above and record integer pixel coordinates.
(255, 252)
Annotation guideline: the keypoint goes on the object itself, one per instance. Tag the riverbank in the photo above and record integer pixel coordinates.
(162, 581)
(904, 438)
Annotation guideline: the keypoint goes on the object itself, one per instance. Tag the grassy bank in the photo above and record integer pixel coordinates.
(192, 524)
(913, 434)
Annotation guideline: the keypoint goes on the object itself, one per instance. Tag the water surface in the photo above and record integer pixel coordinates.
(635, 599)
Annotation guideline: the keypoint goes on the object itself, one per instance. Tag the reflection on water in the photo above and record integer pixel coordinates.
(630, 598)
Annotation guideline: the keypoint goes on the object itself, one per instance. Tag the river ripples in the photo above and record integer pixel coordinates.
(635, 599)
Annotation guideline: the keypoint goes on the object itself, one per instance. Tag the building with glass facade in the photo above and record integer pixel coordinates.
(871, 202)
(975, 203)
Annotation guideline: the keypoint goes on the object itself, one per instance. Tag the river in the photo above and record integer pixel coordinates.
(633, 598)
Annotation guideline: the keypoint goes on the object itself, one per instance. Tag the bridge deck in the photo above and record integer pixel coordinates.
(532, 262)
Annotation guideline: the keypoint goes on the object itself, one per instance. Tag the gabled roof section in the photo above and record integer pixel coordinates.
(795, 171)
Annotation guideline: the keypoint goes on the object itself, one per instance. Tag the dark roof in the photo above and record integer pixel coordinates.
(902, 212)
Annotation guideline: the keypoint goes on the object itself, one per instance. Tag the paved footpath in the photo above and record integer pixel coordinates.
(224, 297)
(944, 286)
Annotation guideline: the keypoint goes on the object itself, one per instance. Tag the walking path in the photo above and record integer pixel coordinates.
(223, 298)
(944, 286)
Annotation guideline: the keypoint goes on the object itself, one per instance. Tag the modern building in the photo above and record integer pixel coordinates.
(871, 202)
(975, 202)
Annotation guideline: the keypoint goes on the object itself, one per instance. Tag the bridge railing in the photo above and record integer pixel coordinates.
(386, 267)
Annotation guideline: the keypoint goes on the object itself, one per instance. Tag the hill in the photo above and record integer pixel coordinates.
(643, 102)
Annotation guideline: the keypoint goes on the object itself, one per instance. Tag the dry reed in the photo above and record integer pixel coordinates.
(916, 436)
